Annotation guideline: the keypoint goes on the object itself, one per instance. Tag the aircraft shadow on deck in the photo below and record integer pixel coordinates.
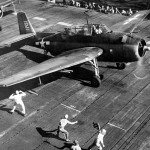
(80, 74)
(36, 57)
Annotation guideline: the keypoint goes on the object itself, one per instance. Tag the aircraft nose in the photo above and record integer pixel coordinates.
(142, 48)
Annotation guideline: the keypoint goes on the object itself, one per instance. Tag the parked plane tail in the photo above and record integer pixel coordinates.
(25, 26)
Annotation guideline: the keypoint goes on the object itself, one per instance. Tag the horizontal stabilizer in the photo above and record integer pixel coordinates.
(8, 42)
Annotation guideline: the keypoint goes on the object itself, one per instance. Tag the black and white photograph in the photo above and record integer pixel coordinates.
(74, 74)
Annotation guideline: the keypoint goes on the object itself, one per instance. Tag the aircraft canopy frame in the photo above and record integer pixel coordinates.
(87, 30)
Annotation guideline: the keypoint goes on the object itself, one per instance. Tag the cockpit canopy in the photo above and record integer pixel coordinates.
(88, 29)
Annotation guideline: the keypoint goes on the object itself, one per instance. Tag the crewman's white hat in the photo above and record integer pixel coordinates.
(17, 92)
(103, 131)
(66, 116)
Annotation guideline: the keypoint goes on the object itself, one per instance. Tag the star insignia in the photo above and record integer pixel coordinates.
(42, 44)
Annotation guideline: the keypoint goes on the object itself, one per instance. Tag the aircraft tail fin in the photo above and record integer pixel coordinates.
(25, 26)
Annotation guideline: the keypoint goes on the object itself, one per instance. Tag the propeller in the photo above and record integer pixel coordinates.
(142, 69)
(140, 72)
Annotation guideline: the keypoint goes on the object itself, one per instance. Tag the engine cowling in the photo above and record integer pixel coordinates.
(123, 48)
(141, 49)
(134, 48)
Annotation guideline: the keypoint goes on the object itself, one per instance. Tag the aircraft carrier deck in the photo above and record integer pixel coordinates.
(121, 105)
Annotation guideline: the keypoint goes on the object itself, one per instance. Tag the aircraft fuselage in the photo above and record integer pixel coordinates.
(117, 47)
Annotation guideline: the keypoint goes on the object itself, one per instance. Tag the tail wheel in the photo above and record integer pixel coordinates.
(96, 81)
(121, 66)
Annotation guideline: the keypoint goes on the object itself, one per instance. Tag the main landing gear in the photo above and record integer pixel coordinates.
(120, 66)
(40, 82)
(96, 79)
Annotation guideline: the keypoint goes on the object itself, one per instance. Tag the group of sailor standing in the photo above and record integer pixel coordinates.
(95, 6)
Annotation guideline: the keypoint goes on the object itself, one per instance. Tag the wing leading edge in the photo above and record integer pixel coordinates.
(74, 57)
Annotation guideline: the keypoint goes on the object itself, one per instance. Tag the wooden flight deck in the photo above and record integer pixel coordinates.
(121, 105)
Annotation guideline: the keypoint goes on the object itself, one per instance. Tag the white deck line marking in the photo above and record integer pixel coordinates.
(64, 24)
(131, 19)
(43, 28)
(140, 77)
(71, 108)
(6, 131)
(116, 126)
(12, 127)
(39, 18)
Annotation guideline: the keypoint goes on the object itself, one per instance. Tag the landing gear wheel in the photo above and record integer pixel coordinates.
(121, 66)
(96, 81)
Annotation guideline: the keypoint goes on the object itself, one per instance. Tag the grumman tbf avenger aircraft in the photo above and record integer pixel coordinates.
(78, 45)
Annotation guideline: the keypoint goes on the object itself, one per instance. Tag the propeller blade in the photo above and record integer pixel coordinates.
(141, 71)
(147, 46)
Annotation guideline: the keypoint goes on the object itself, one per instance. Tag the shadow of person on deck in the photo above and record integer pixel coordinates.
(48, 134)
(67, 145)
(92, 145)
(4, 108)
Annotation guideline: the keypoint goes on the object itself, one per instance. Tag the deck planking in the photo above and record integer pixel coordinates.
(114, 105)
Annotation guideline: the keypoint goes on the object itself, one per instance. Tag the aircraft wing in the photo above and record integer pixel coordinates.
(128, 25)
(69, 59)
